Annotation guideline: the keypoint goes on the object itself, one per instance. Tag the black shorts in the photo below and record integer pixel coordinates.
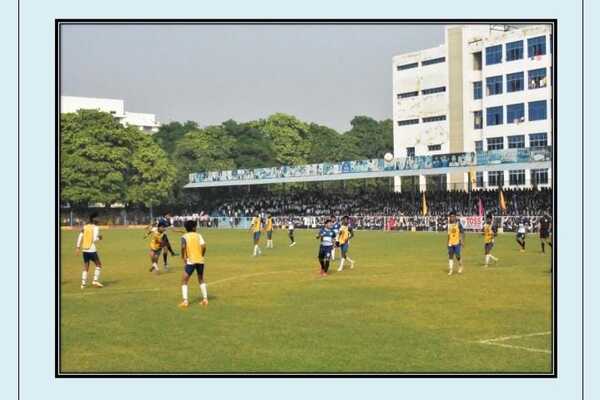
(544, 234)
(190, 268)
(520, 236)
(488, 247)
(325, 252)
(87, 257)
(156, 252)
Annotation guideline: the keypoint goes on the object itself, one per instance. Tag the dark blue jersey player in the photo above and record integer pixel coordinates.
(327, 239)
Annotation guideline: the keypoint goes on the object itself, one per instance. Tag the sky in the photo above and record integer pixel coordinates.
(212, 73)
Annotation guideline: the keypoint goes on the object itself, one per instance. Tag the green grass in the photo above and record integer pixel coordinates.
(396, 311)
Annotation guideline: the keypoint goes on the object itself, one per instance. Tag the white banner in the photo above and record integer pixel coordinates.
(472, 223)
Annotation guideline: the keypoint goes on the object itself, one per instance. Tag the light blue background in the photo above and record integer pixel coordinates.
(37, 212)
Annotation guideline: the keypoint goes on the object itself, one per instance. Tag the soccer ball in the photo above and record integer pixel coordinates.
(388, 157)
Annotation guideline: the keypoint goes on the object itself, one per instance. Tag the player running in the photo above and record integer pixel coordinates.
(269, 231)
(255, 229)
(291, 232)
(193, 249)
(544, 228)
(86, 240)
(343, 241)
(336, 229)
(166, 222)
(156, 245)
(327, 237)
(521, 232)
(456, 239)
(489, 233)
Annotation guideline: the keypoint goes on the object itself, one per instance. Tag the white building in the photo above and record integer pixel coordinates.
(145, 122)
(488, 87)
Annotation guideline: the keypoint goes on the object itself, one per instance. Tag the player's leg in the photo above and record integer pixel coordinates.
(327, 259)
(154, 260)
(188, 270)
(321, 257)
(345, 249)
(450, 260)
(203, 289)
(166, 260)
(168, 245)
(84, 271)
(97, 271)
(458, 258)
(486, 251)
(494, 259)
(342, 260)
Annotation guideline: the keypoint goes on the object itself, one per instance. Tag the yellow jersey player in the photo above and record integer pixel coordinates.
(343, 242)
(156, 244)
(86, 240)
(269, 231)
(193, 249)
(489, 233)
(255, 229)
(456, 239)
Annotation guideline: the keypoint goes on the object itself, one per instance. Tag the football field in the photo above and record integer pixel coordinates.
(397, 311)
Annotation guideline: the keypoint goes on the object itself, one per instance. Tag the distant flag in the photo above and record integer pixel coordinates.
(480, 207)
(423, 205)
(501, 201)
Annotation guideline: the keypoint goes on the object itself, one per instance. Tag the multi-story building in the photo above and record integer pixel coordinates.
(145, 122)
(487, 88)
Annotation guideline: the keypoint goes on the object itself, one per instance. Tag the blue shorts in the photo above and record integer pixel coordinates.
(325, 252)
(87, 257)
(454, 251)
(256, 236)
(344, 247)
(269, 234)
(190, 268)
(488, 247)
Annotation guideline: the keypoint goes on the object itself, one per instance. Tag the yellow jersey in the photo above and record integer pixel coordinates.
(344, 234)
(256, 224)
(193, 248)
(269, 226)
(156, 240)
(454, 231)
(88, 236)
(488, 233)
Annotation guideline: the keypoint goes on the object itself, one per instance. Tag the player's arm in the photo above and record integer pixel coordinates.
(78, 246)
(351, 233)
(97, 235)
(183, 250)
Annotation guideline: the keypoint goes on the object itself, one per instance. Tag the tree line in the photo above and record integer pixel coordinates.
(102, 161)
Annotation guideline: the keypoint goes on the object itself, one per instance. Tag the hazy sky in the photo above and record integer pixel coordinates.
(208, 74)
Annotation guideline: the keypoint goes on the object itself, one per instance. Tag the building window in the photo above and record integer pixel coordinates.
(537, 110)
(537, 78)
(515, 82)
(477, 92)
(479, 145)
(515, 113)
(477, 61)
(494, 116)
(516, 177)
(493, 55)
(436, 118)
(514, 50)
(539, 176)
(479, 179)
(433, 61)
(407, 66)
(434, 90)
(477, 120)
(496, 178)
(516, 142)
(434, 147)
(538, 140)
(408, 122)
(410, 152)
(496, 143)
(407, 94)
(536, 46)
(493, 85)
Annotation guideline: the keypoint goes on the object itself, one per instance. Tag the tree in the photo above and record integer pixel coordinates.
(325, 145)
(288, 136)
(370, 138)
(169, 134)
(252, 147)
(104, 162)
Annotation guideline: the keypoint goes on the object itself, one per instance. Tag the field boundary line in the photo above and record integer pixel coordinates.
(91, 291)
(496, 342)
